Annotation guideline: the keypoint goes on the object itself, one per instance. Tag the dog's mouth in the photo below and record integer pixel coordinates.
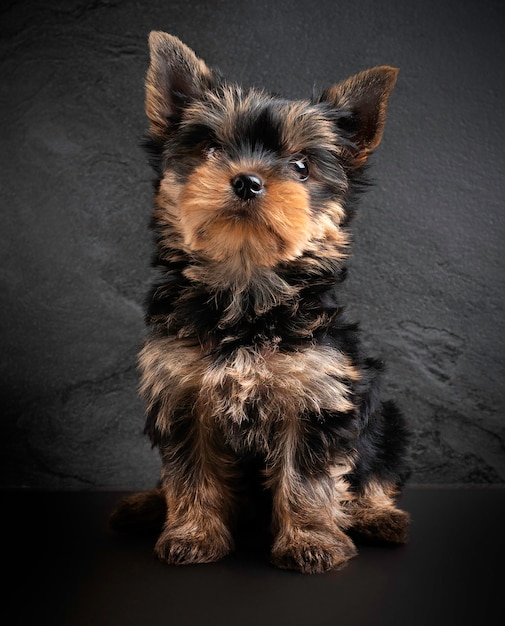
(242, 210)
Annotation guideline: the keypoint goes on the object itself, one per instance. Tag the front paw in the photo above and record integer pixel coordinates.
(187, 550)
(312, 554)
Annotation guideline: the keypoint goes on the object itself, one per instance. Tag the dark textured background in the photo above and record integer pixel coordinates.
(427, 277)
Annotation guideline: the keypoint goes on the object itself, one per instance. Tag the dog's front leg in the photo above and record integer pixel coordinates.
(308, 513)
(196, 480)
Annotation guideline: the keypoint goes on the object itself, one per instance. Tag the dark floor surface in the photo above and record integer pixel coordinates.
(65, 567)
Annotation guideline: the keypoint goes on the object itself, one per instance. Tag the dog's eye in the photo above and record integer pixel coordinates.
(300, 168)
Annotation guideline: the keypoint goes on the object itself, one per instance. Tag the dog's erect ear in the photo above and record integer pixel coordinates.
(361, 102)
(175, 76)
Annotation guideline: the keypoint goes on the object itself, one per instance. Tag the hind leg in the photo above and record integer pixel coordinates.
(375, 515)
(381, 467)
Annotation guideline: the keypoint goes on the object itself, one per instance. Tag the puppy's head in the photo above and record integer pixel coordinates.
(248, 180)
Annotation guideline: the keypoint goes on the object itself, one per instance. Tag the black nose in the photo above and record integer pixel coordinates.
(247, 186)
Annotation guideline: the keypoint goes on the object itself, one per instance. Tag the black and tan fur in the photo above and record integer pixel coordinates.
(251, 368)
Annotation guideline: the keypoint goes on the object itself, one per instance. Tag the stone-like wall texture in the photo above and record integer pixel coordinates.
(427, 279)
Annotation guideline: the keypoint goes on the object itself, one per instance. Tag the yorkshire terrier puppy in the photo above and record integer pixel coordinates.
(251, 372)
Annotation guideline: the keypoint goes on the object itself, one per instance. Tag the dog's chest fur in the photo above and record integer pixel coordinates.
(248, 392)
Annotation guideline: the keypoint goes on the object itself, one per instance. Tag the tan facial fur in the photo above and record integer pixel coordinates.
(257, 233)
(238, 239)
